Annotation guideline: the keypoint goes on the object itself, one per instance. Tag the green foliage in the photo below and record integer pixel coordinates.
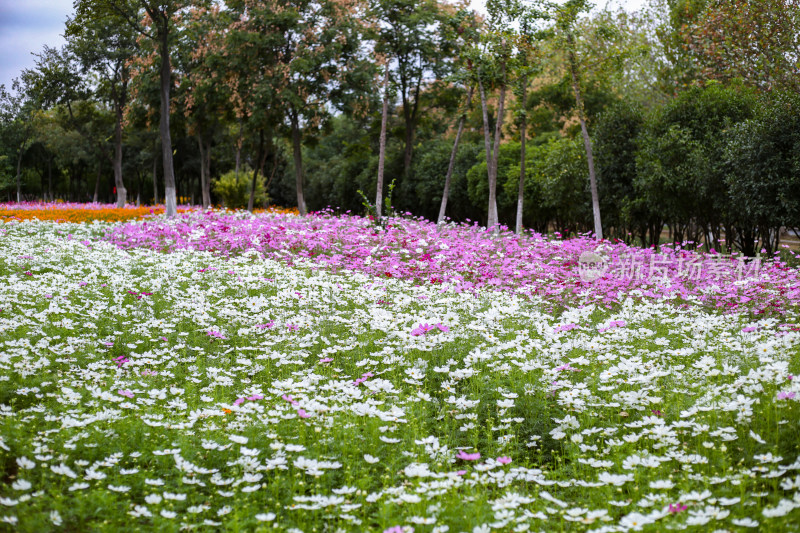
(615, 145)
(478, 187)
(429, 171)
(234, 190)
(762, 164)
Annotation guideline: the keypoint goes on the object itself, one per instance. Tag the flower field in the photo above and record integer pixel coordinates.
(229, 372)
(75, 212)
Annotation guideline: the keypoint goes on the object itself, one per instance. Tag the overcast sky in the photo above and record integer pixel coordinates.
(27, 25)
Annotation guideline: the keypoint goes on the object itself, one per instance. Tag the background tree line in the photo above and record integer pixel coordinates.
(536, 114)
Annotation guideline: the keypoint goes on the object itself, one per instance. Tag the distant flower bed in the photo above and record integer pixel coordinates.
(562, 272)
(77, 212)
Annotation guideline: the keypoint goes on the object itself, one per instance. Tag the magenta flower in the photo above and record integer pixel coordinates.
(468, 456)
(676, 508)
(238, 401)
(303, 414)
(267, 325)
(121, 360)
(749, 329)
(215, 334)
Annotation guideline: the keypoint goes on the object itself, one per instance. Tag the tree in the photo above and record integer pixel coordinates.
(757, 41)
(493, 58)
(105, 46)
(411, 32)
(159, 27)
(464, 26)
(206, 100)
(16, 113)
(308, 60)
(565, 17)
(382, 142)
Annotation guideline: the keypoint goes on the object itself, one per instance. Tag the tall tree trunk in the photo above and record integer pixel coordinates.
(205, 186)
(492, 152)
(487, 141)
(155, 180)
(453, 153)
(163, 127)
(587, 141)
(382, 143)
(50, 174)
(259, 159)
(97, 180)
(522, 135)
(19, 173)
(298, 163)
(498, 130)
(410, 120)
(50, 185)
(238, 154)
(122, 194)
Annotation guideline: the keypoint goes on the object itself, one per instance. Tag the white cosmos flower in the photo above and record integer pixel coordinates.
(21, 484)
(265, 517)
(370, 459)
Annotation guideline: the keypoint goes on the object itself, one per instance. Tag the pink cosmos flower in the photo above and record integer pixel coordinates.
(215, 334)
(238, 401)
(289, 399)
(395, 529)
(303, 414)
(783, 395)
(125, 392)
(504, 460)
(468, 456)
(326, 360)
(461, 472)
(267, 325)
(255, 397)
